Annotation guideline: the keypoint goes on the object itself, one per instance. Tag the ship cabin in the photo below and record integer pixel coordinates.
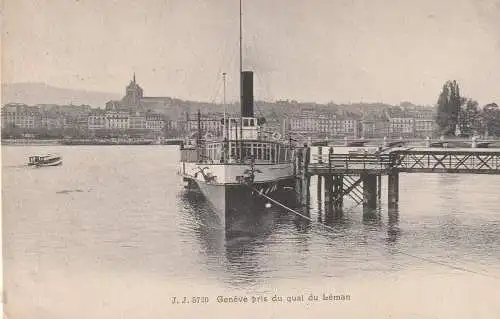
(246, 128)
(243, 141)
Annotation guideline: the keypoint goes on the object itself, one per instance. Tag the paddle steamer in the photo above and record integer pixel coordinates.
(234, 169)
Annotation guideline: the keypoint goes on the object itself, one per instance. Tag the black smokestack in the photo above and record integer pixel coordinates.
(247, 94)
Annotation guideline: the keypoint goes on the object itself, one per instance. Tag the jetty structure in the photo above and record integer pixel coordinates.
(356, 170)
(234, 169)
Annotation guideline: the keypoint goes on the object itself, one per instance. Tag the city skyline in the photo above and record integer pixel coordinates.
(15, 93)
(355, 51)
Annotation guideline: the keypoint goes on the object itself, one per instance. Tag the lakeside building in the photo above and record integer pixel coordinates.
(375, 124)
(136, 120)
(97, 120)
(401, 123)
(425, 123)
(411, 123)
(52, 120)
(20, 116)
(209, 123)
(317, 125)
(154, 122)
(117, 120)
(136, 123)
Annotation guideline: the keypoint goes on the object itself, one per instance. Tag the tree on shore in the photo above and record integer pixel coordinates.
(491, 118)
(469, 119)
(448, 108)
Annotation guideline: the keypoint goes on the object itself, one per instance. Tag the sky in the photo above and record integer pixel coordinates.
(343, 51)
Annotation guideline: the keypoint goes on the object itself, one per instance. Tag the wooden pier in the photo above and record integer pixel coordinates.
(358, 174)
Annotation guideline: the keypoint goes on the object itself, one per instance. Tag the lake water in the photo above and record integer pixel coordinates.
(112, 234)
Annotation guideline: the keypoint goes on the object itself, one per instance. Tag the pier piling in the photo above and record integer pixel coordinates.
(369, 190)
(329, 194)
(334, 196)
(319, 192)
(306, 179)
(379, 187)
(338, 193)
(303, 178)
(393, 189)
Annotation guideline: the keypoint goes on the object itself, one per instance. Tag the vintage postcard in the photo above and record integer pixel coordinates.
(250, 159)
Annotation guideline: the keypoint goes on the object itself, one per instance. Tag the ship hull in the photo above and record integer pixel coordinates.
(236, 205)
(56, 163)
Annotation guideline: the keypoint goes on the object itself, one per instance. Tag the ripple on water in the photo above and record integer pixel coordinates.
(119, 218)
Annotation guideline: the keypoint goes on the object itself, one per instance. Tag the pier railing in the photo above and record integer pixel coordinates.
(412, 160)
(350, 162)
(448, 161)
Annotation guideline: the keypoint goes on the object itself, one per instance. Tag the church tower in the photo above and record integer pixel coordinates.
(133, 94)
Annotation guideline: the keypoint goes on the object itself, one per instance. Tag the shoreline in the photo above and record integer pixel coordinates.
(42, 142)
(26, 142)
(21, 142)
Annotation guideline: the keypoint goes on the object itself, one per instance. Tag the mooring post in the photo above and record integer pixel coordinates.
(369, 190)
(298, 175)
(307, 198)
(306, 178)
(393, 188)
(319, 192)
(338, 196)
(329, 195)
(339, 192)
(379, 186)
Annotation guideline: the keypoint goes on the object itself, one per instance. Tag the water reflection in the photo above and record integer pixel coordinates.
(205, 225)
(320, 216)
(302, 225)
(372, 216)
(332, 215)
(393, 230)
(243, 257)
(235, 248)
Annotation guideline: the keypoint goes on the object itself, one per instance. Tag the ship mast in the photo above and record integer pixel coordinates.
(241, 50)
(241, 82)
(224, 133)
(225, 127)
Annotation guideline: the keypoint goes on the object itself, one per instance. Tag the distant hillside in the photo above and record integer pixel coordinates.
(40, 93)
